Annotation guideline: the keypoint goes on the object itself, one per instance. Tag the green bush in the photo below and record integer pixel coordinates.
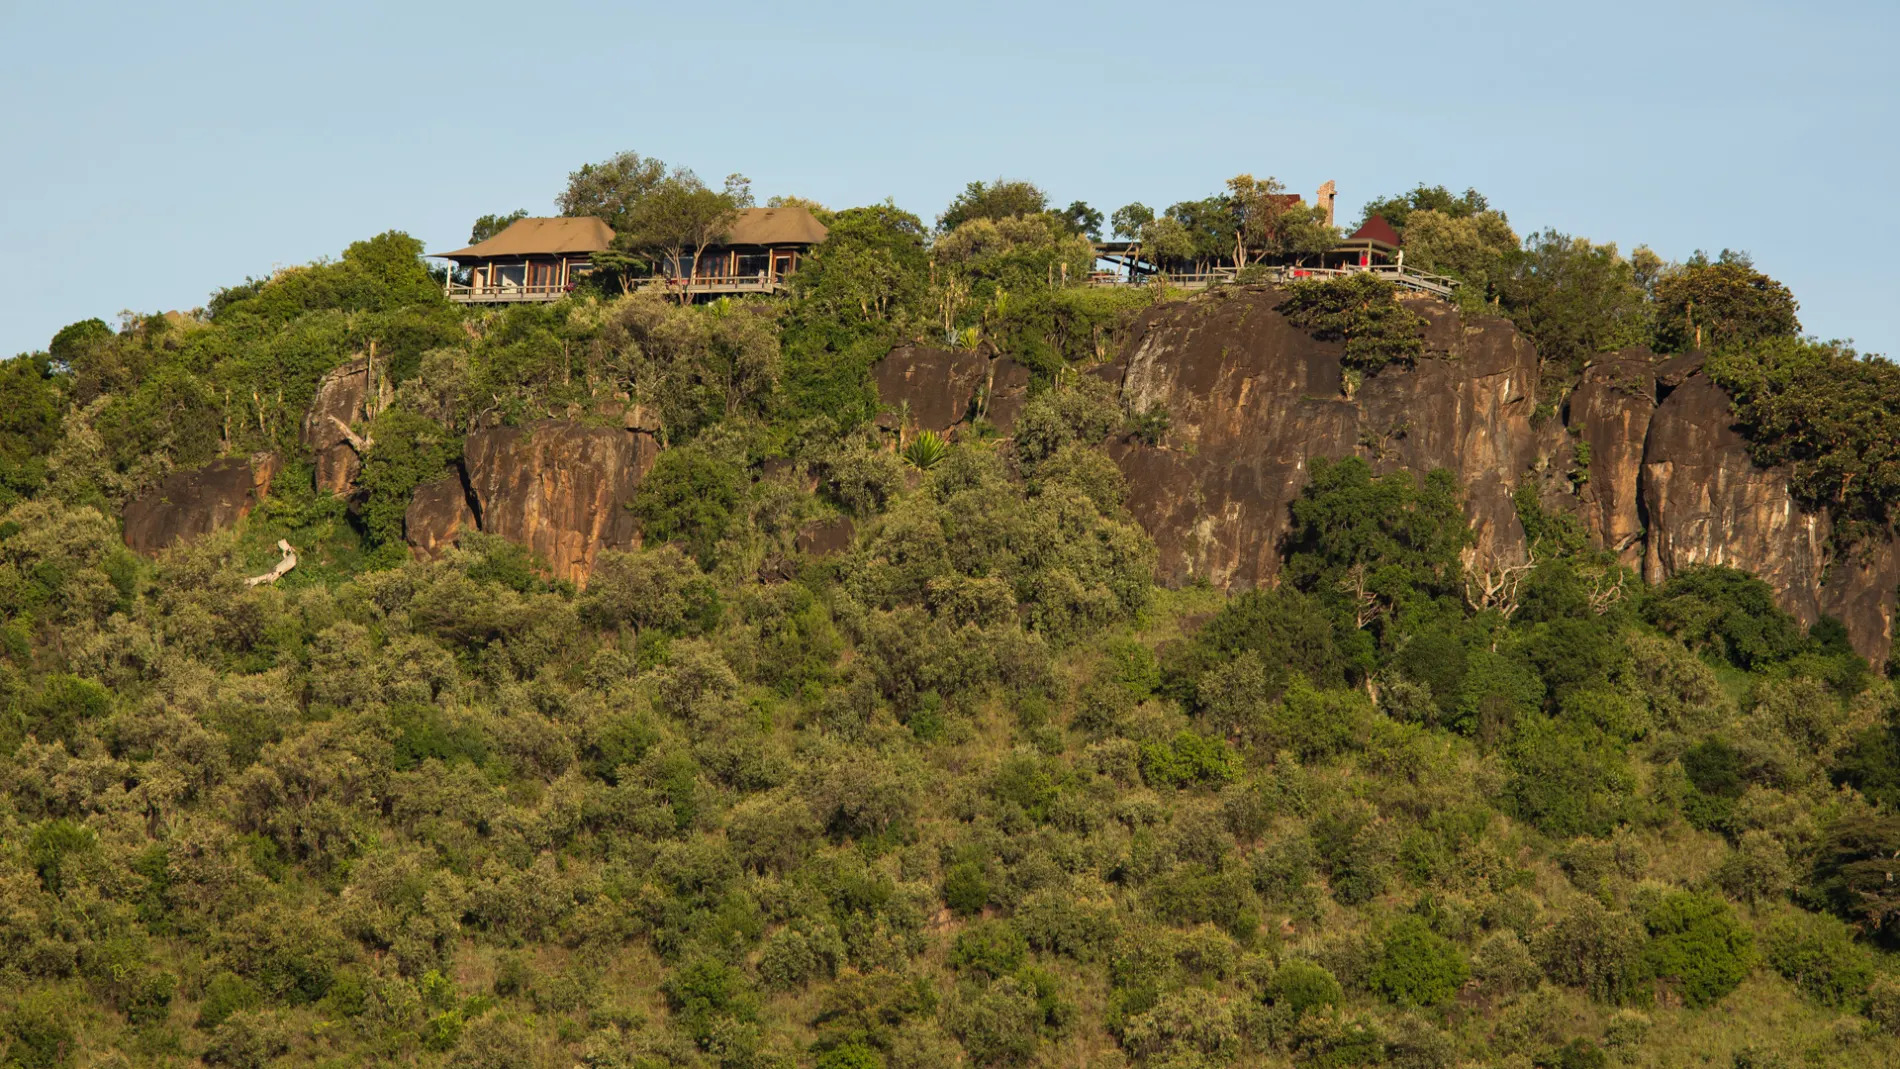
(1696, 942)
(691, 497)
(1419, 967)
(1818, 954)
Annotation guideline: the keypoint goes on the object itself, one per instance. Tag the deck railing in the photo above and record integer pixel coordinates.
(714, 284)
(502, 294)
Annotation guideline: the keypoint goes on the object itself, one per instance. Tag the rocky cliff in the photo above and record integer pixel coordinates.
(1641, 449)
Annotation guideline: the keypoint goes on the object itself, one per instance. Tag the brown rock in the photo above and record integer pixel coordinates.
(1251, 398)
(1860, 591)
(1610, 412)
(1009, 389)
(1709, 504)
(438, 514)
(936, 389)
(188, 504)
(1466, 407)
(827, 538)
(560, 489)
(340, 397)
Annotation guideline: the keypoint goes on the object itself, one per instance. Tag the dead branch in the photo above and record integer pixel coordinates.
(357, 441)
(281, 569)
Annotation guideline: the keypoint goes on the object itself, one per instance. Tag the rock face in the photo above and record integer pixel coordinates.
(558, 488)
(1669, 485)
(1709, 504)
(437, 516)
(340, 398)
(943, 389)
(1610, 411)
(936, 389)
(188, 504)
(1251, 398)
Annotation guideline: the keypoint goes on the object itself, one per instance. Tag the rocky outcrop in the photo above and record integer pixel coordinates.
(1670, 484)
(1609, 412)
(438, 514)
(1009, 390)
(930, 389)
(188, 504)
(944, 389)
(826, 538)
(560, 489)
(1251, 398)
(339, 402)
(1709, 504)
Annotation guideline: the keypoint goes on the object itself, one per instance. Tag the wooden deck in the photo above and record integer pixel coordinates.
(462, 294)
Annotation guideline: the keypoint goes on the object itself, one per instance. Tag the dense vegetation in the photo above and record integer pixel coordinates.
(975, 792)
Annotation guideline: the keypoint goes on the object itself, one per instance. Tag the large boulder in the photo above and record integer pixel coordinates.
(339, 402)
(438, 514)
(930, 389)
(189, 504)
(561, 489)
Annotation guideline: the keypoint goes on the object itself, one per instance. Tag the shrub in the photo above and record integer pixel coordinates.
(1302, 986)
(1419, 966)
(1364, 312)
(1596, 950)
(1189, 760)
(1818, 954)
(1727, 613)
(1697, 943)
(691, 497)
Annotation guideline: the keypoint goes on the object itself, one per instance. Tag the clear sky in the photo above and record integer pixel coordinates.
(151, 153)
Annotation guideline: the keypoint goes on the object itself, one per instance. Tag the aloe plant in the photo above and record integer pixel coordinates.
(925, 450)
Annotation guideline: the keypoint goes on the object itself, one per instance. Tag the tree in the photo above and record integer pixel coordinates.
(611, 189)
(1084, 220)
(1398, 209)
(1696, 942)
(1476, 249)
(1129, 219)
(1270, 222)
(1419, 966)
(1000, 199)
(1361, 310)
(489, 225)
(1574, 298)
(1857, 871)
(1703, 305)
(674, 222)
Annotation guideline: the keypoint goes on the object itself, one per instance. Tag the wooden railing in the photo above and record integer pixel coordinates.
(502, 294)
(714, 284)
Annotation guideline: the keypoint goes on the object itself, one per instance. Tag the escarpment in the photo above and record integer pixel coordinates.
(1643, 451)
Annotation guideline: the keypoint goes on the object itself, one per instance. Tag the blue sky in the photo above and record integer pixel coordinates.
(154, 153)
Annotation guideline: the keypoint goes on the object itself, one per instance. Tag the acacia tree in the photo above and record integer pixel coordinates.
(672, 225)
(1268, 221)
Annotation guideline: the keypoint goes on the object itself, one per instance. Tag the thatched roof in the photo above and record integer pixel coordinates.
(540, 237)
(775, 226)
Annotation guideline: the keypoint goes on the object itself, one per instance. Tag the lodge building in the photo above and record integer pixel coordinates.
(542, 259)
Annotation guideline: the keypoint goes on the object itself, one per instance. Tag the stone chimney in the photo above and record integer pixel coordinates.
(1325, 197)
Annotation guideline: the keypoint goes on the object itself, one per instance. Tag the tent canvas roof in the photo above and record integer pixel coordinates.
(540, 237)
(775, 226)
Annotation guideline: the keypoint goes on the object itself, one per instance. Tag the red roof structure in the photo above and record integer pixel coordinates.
(1376, 229)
